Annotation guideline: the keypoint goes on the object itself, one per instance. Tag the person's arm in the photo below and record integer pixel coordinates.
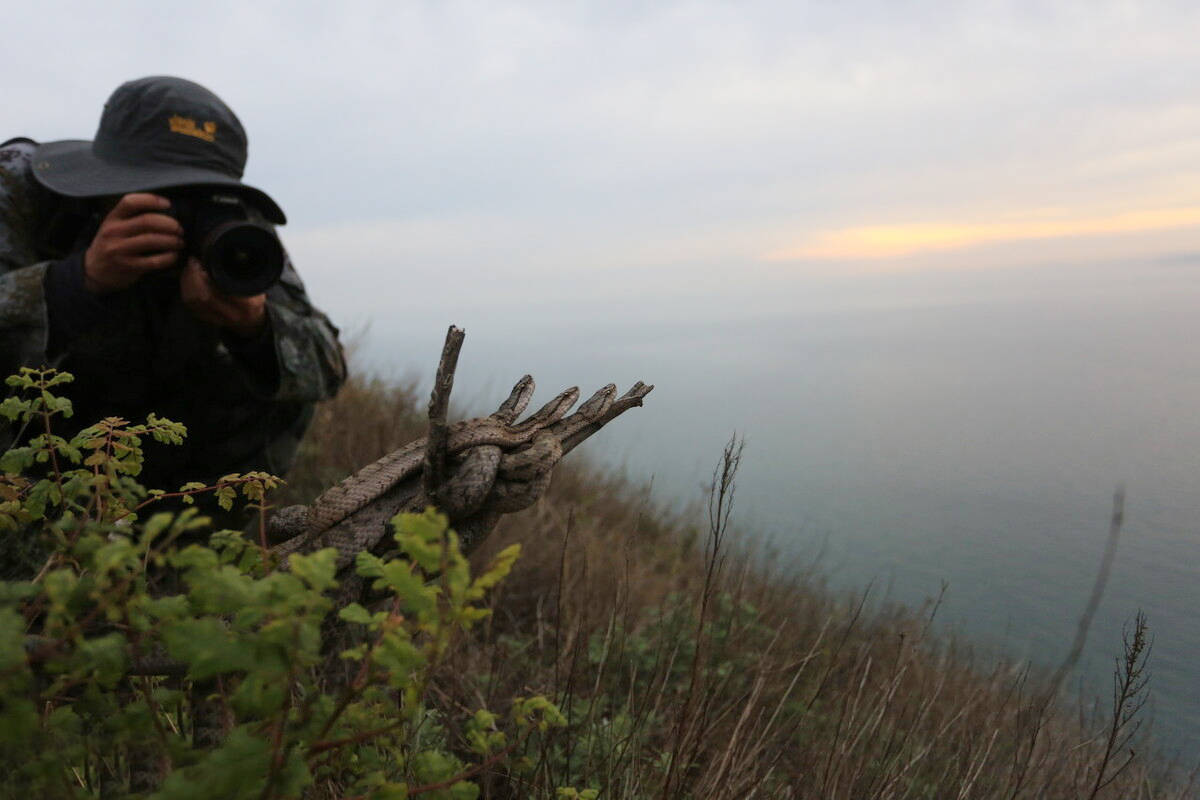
(72, 310)
(45, 305)
(286, 350)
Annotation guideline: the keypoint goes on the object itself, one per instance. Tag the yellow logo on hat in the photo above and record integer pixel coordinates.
(188, 127)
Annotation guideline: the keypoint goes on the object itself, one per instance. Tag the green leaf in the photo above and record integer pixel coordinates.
(119, 552)
(368, 565)
(356, 653)
(412, 590)
(59, 405)
(432, 766)
(16, 591)
(234, 771)
(103, 657)
(17, 460)
(230, 544)
(356, 613)
(398, 657)
(170, 607)
(194, 557)
(165, 431)
(12, 640)
(43, 493)
(259, 695)
(422, 537)
(389, 791)
(207, 647)
(225, 497)
(225, 590)
(18, 721)
(13, 407)
(497, 571)
(59, 585)
(464, 791)
(317, 569)
(55, 377)
(536, 711)
(154, 527)
(481, 733)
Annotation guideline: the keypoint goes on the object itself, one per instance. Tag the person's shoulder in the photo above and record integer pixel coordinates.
(16, 163)
(17, 153)
(20, 204)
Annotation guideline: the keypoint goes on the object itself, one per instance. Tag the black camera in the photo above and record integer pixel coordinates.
(242, 255)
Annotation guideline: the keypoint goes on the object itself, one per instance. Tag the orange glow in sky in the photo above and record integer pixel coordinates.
(888, 241)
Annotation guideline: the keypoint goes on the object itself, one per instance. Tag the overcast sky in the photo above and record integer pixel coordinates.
(483, 151)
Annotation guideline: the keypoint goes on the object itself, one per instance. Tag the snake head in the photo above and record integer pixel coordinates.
(517, 400)
(572, 432)
(550, 413)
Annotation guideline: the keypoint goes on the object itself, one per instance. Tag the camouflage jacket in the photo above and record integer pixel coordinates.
(147, 353)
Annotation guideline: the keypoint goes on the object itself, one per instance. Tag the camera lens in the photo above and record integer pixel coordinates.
(243, 258)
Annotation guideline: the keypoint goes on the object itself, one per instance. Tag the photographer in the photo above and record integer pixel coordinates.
(113, 267)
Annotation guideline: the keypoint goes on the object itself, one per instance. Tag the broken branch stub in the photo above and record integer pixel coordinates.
(434, 467)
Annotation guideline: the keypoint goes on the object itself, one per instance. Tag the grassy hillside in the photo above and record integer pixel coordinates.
(689, 669)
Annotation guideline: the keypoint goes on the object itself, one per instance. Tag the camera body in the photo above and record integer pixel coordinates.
(242, 255)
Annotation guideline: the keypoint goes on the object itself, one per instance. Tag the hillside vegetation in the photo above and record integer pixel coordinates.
(685, 668)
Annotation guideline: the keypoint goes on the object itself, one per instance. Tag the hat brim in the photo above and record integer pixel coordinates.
(71, 168)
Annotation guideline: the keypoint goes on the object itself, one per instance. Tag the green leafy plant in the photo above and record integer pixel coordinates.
(144, 654)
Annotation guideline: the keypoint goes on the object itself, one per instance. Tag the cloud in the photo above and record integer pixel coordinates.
(582, 137)
(892, 241)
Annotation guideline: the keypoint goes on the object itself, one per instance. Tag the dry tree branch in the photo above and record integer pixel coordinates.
(434, 467)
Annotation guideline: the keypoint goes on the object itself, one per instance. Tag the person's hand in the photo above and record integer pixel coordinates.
(132, 240)
(244, 316)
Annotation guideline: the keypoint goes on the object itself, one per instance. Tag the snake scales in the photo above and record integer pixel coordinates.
(494, 465)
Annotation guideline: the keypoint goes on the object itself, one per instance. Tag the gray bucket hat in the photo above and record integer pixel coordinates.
(155, 133)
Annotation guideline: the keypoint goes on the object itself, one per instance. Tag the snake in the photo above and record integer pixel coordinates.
(499, 466)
